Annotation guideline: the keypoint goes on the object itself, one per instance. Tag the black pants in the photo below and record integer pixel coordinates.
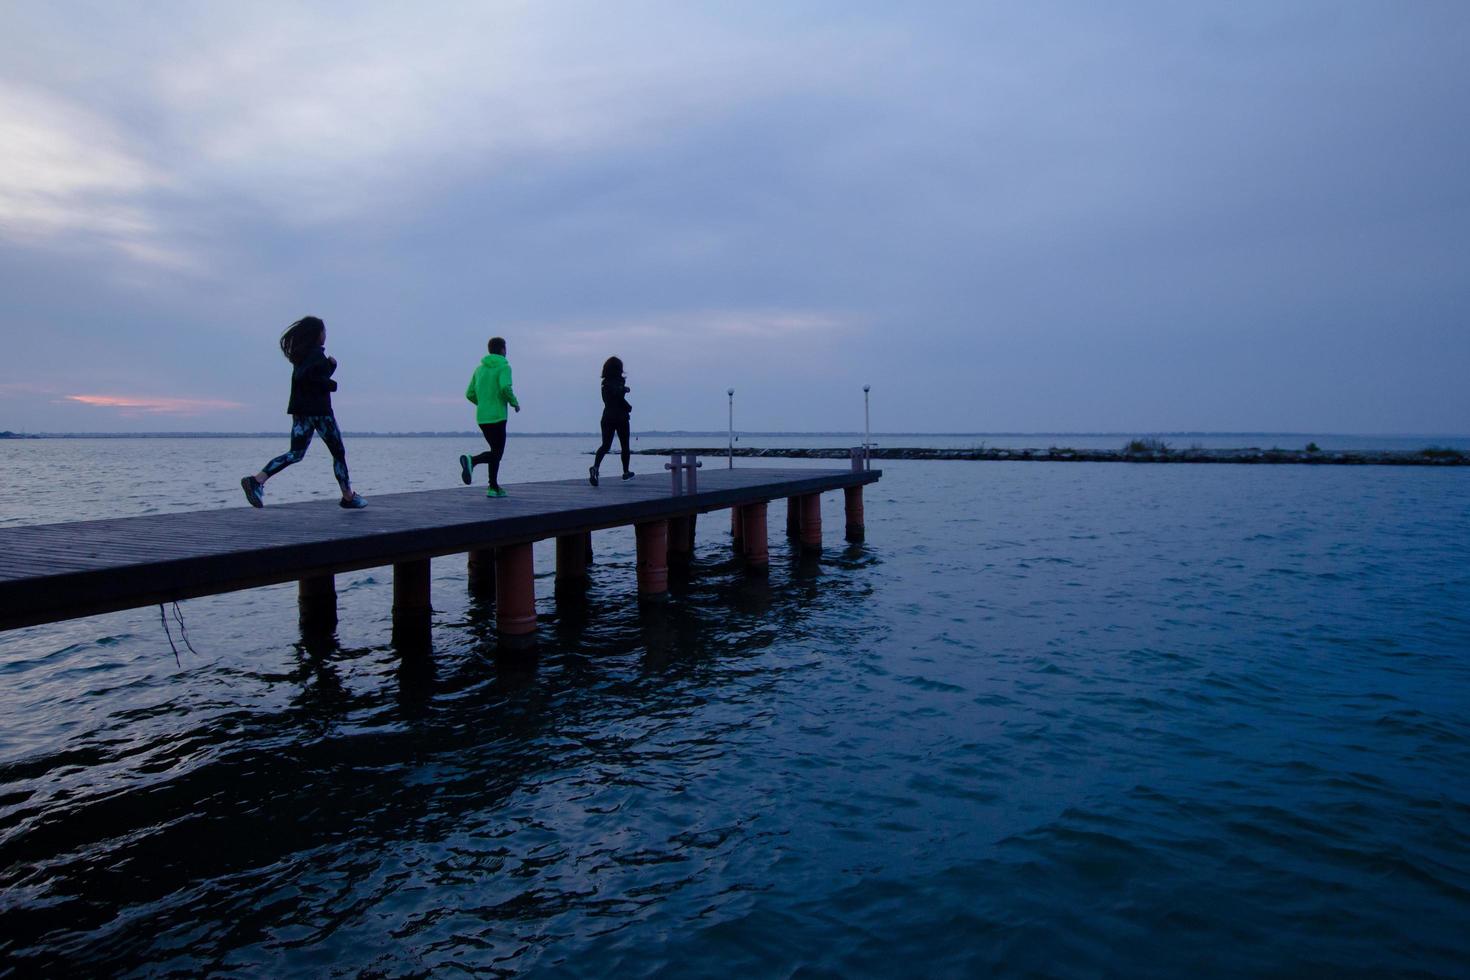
(495, 435)
(302, 427)
(612, 425)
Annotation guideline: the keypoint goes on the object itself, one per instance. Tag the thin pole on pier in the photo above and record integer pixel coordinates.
(731, 457)
(867, 438)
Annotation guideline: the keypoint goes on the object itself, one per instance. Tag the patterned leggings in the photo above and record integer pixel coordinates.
(302, 427)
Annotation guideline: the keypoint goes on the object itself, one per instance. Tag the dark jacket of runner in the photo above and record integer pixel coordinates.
(312, 385)
(615, 407)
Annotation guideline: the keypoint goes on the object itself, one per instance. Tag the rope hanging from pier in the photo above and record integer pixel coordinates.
(183, 632)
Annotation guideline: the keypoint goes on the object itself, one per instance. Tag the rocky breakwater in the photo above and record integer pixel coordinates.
(1135, 452)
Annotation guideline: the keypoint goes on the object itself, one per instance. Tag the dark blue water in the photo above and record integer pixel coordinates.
(1066, 720)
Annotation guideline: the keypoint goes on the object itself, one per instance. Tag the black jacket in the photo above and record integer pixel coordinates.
(312, 385)
(615, 407)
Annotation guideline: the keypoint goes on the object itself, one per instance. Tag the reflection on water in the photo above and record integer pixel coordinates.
(1060, 720)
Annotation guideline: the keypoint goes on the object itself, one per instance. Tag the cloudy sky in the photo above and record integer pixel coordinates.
(1023, 216)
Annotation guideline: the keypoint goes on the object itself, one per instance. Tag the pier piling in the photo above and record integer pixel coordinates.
(653, 559)
(316, 603)
(481, 571)
(753, 531)
(412, 613)
(681, 539)
(811, 522)
(571, 561)
(515, 594)
(411, 588)
(852, 498)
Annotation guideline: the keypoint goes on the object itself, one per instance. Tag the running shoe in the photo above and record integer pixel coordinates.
(252, 489)
(592, 475)
(466, 469)
(496, 492)
(356, 503)
(629, 475)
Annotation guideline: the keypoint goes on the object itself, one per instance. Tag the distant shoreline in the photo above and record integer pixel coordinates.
(276, 435)
(1429, 456)
(1429, 437)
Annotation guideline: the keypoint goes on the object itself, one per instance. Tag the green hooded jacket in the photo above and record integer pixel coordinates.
(490, 389)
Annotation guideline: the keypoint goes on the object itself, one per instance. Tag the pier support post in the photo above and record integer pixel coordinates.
(515, 594)
(793, 517)
(571, 561)
(589, 547)
(811, 522)
(681, 539)
(853, 504)
(316, 603)
(736, 541)
(411, 588)
(753, 528)
(653, 560)
(411, 609)
(481, 568)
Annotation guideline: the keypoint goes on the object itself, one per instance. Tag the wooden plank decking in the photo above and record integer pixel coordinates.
(51, 572)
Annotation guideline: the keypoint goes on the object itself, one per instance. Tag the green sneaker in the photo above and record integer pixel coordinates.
(496, 492)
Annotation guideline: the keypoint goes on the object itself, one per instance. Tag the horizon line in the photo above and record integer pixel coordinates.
(456, 433)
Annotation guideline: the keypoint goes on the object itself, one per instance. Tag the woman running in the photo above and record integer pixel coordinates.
(304, 344)
(615, 417)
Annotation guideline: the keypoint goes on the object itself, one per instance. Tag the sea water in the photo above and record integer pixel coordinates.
(1068, 719)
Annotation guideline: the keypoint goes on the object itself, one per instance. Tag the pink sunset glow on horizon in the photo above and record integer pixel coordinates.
(131, 405)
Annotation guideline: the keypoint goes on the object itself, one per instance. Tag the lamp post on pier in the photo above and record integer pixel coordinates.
(731, 450)
(867, 439)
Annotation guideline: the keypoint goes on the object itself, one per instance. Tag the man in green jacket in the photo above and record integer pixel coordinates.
(490, 392)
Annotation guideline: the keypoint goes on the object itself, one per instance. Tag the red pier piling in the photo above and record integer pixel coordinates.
(515, 593)
(753, 526)
(811, 522)
(653, 559)
(853, 503)
(681, 539)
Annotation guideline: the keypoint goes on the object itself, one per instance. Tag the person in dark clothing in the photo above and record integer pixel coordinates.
(616, 414)
(310, 407)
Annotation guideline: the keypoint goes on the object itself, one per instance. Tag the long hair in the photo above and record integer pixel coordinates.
(612, 368)
(301, 336)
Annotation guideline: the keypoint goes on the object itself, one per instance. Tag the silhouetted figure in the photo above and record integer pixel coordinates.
(616, 413)
(304, 344)
(490, 391)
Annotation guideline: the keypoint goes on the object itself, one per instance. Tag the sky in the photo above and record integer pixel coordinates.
(1036, 217)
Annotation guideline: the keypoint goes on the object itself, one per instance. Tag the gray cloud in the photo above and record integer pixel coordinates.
(1055, 216)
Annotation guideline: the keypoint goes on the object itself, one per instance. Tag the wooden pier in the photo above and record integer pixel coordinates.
(52, 572)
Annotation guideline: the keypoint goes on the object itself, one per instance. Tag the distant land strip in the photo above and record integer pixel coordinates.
(1319, 457)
